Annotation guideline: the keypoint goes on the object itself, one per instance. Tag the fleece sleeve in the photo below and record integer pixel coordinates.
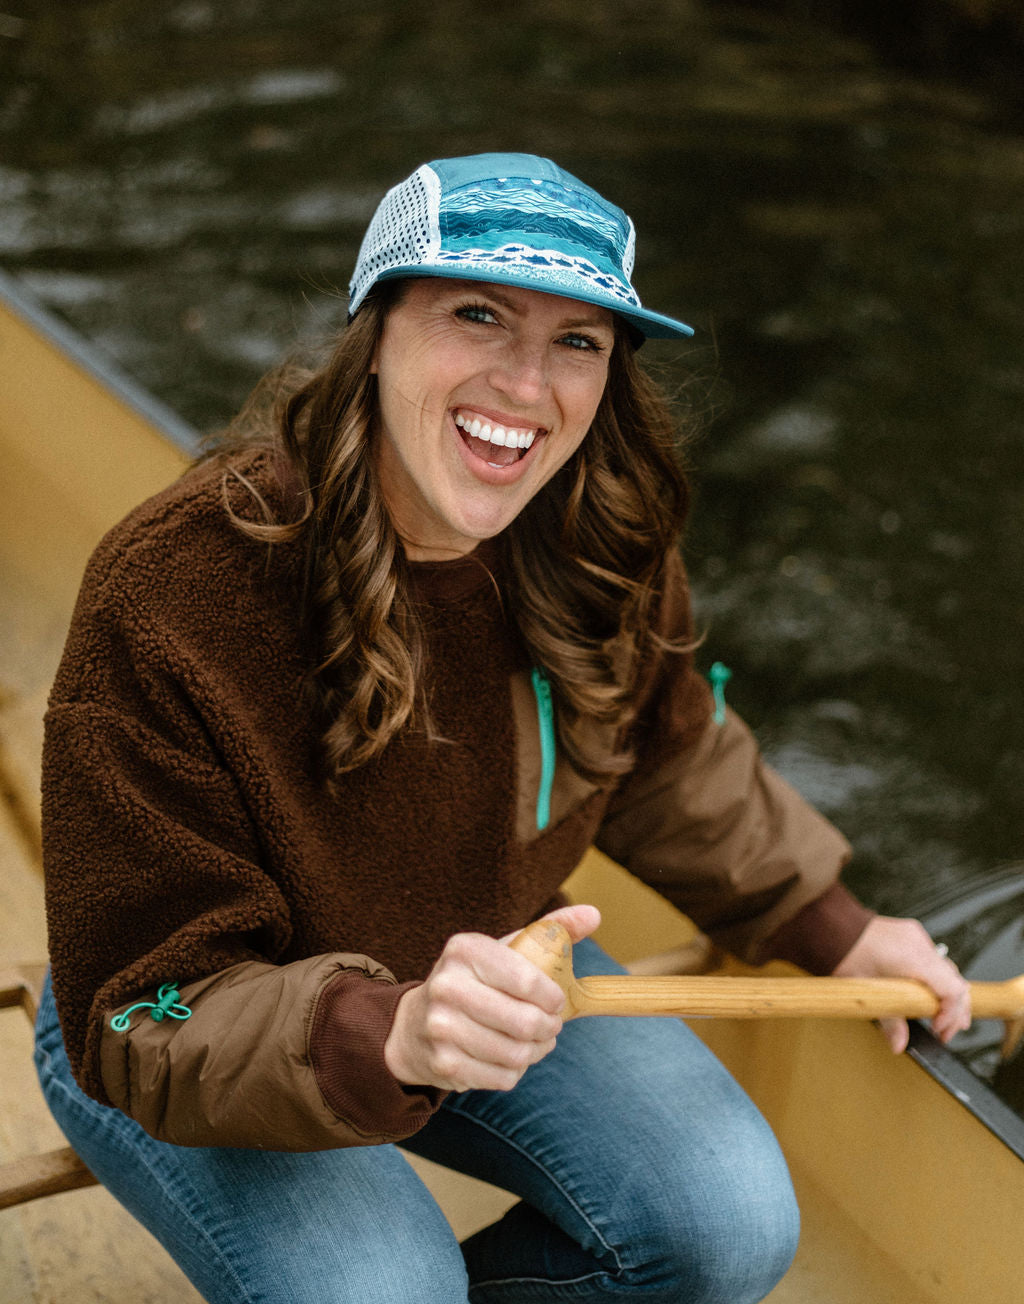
(153, 876)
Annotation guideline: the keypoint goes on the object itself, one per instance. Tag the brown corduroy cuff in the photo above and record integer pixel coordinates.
(353, 1017)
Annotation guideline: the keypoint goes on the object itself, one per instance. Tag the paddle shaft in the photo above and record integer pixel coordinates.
(779, 998)
(547, 945)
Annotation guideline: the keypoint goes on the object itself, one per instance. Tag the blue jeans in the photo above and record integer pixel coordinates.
(644, 1173)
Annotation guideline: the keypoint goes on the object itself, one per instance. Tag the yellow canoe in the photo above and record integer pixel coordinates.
(909, 1170)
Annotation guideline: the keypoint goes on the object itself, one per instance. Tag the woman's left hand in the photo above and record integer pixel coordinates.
(901, 948)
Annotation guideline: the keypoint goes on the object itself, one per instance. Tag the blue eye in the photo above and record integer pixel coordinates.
(583, 343)
(475, 312)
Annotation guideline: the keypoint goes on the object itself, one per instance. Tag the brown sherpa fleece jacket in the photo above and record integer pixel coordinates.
(188, 837)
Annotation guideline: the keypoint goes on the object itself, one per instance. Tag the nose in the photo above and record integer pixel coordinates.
(521, 373)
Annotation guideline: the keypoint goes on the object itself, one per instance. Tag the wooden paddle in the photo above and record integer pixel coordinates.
(547, 945)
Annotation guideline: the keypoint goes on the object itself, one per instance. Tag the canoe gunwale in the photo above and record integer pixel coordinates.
(973, 1093)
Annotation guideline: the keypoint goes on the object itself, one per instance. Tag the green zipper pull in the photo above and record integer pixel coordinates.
(546, 720)
(719, 676)
(166, 1005)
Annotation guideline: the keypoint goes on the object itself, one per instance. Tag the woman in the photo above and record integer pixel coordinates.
(338, 713)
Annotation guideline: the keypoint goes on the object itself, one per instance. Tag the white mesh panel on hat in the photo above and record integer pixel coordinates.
(404, 232)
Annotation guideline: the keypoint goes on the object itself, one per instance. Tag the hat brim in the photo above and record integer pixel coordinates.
(651, 325)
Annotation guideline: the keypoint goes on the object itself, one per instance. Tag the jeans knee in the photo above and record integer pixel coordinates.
(727, 1245)
(395, 1279)
(752, 1252)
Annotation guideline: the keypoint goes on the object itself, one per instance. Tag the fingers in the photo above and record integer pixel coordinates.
(494, 985)
(954, 993)
(897, 1034)
(931, 965)
(902, 948)
(462, 1053)
(578, 921)
(483, 1016)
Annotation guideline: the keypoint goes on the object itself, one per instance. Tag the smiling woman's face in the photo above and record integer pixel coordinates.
(485, 391)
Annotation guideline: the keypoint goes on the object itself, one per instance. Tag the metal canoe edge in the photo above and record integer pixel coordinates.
(976, 1096)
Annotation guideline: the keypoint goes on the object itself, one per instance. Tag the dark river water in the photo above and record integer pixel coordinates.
(188, 183)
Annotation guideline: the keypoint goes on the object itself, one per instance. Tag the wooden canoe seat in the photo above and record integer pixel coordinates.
(56, 1170)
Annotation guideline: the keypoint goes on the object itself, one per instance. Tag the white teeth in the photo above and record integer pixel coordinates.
(497, 435)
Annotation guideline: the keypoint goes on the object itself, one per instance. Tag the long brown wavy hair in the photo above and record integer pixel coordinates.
(582, 563)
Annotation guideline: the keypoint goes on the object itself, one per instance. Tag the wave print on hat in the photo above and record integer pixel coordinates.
(475, 228)
(586, 211)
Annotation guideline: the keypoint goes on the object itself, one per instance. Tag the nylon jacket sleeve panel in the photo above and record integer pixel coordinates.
(723, 837)
(273, 1057)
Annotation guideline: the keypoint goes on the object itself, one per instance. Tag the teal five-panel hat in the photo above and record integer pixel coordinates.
(508, 219)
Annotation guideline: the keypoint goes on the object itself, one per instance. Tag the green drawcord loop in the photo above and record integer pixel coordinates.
(546, 720)
(166, 1004)
(719, 676)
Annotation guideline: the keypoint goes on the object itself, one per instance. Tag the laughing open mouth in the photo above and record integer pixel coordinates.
(497, 445)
